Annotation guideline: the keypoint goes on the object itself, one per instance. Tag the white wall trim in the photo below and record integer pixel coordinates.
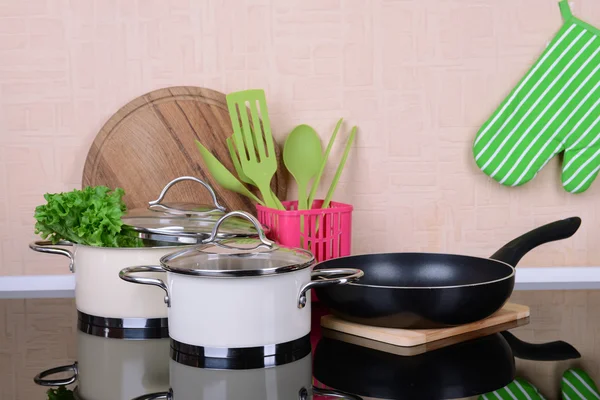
(557, 278)
(37, 286)
(539, 278)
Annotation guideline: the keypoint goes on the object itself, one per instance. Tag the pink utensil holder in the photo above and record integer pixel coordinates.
(327, 232)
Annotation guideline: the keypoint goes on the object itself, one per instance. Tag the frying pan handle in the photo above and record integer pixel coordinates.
(512, 252)
(552, 351)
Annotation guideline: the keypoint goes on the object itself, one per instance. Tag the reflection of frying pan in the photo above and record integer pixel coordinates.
(462, 370)
(425, 290)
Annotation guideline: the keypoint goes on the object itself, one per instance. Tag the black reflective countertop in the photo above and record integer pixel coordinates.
(40, 334)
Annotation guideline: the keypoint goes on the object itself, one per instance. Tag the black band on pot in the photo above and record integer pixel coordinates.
(123, 328)
(240, 357)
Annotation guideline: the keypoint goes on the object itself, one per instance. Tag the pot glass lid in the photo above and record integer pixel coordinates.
(183, 222)
(237, 257)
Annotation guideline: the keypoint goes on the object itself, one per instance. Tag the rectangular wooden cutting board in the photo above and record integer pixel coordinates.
(415, 337)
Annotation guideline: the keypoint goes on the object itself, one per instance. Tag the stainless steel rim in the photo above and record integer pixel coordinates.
(239, 273)
(123, 328)
(240, 357)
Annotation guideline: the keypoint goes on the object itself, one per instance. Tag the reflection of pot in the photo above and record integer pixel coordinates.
(114, 368)
(240, 298)
(105, 301)
(292, 381)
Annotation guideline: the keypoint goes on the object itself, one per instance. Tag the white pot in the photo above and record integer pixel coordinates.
(98, 290)
(114, 368)
(239, 294)
(284, 382)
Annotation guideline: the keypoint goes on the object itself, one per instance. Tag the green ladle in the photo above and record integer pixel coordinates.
(222, 175)
(303, 156)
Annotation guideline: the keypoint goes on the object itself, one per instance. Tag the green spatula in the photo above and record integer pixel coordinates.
(223, 176)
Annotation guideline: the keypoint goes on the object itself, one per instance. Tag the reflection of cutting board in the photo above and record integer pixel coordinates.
(150, 141)
(414, 337)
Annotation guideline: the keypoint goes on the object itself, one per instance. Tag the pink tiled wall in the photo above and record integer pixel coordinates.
(418, 77)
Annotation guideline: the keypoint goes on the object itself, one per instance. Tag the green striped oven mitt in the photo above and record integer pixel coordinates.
(519, 389)
(576, 385)
(554, 108)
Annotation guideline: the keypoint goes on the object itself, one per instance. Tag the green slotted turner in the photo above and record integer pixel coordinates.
(254, 142)
(238, 169)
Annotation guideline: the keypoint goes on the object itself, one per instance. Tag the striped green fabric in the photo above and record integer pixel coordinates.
(577, 385)
(554, 108)
(519, 389)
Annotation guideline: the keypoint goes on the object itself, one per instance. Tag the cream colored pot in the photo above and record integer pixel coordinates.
(98, 290)
(103, 299)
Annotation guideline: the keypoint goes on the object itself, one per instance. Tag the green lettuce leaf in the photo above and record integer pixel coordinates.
(62, 393)
(91, 216)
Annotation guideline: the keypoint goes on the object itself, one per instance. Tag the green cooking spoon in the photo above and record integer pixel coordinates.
(303, 156)
(222, 175)
(340, 168)
(240, 171)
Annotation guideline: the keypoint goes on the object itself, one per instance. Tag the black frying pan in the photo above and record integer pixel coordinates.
(429, 290)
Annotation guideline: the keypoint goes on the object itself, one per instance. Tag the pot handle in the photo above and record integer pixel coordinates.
(126, 275)
(157, 396)
(335, 393)
(39, 378)
(512, 252)
(341, 276)
(154, 204)
(45, 246)
(213, 238)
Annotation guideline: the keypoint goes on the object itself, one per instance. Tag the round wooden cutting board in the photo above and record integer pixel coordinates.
(150, 142)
